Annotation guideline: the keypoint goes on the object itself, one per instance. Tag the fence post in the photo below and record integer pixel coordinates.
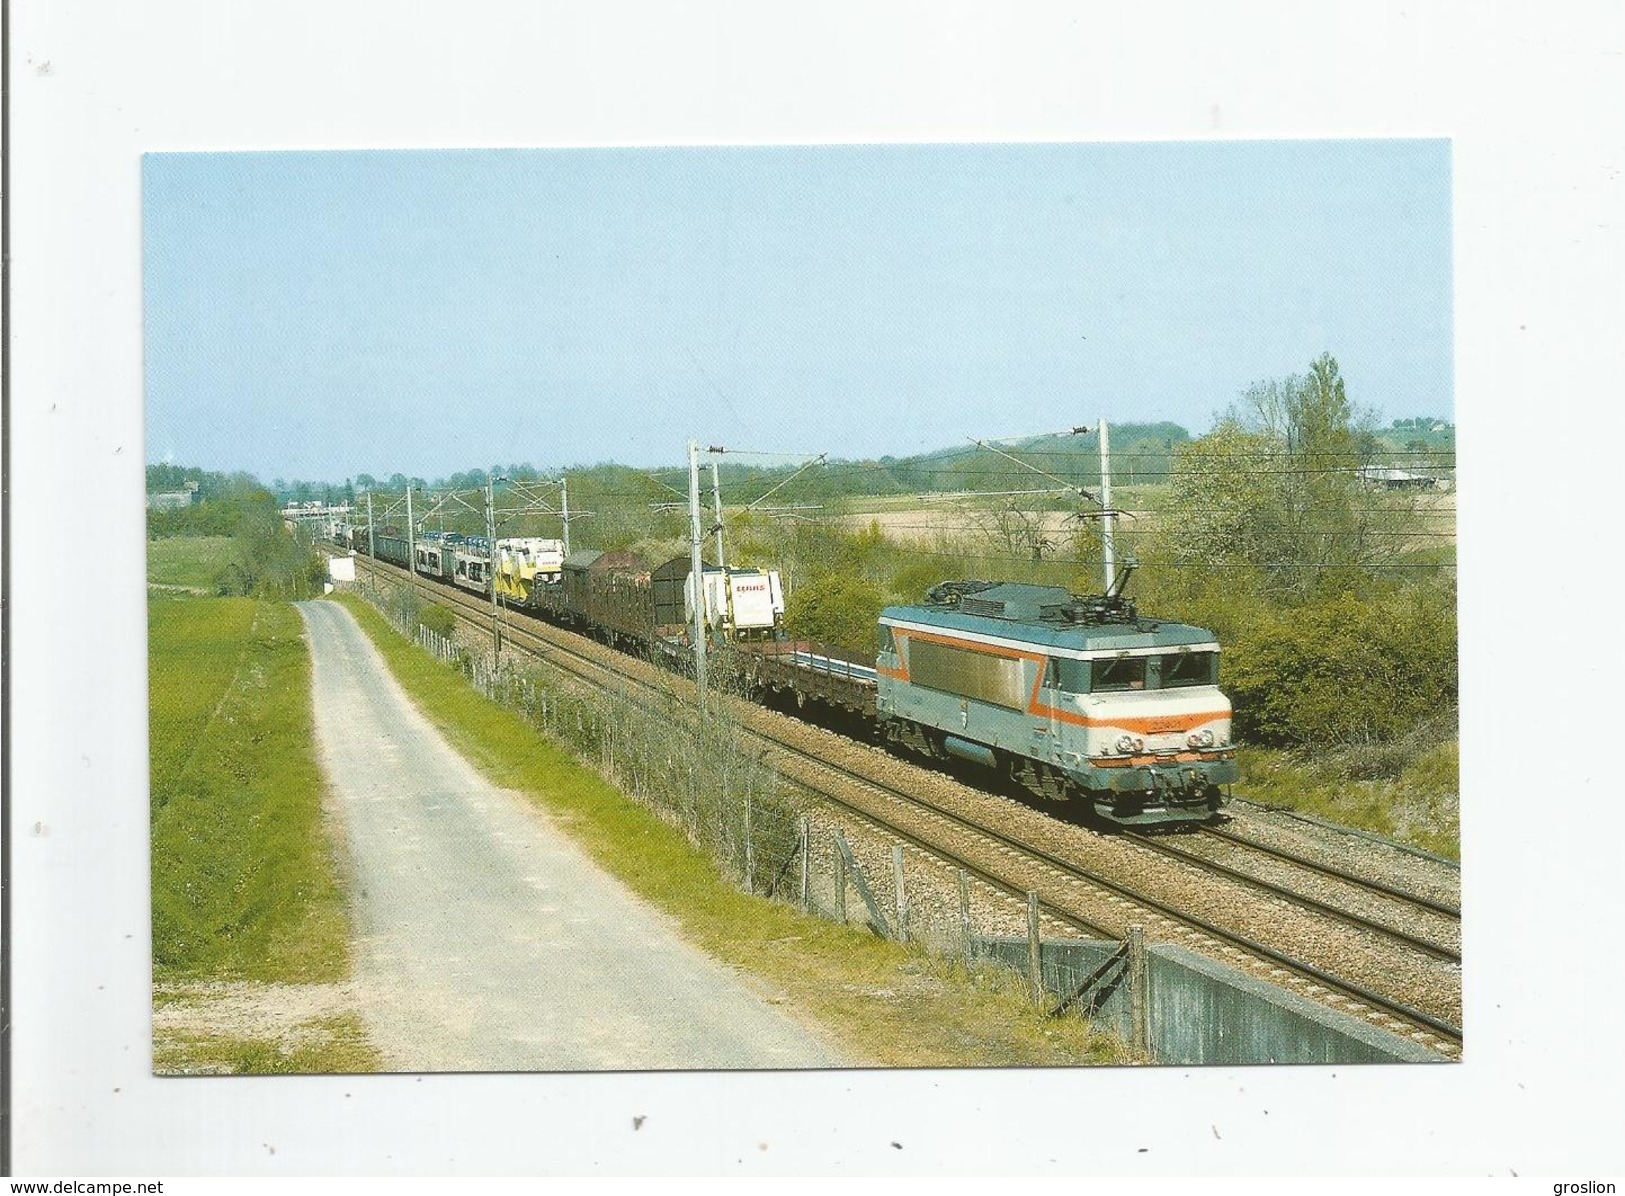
(877, 919)
(1138, 998)
(804, 826)
(964, 915)
(1035, 960)
(840, 885)
(902, 892)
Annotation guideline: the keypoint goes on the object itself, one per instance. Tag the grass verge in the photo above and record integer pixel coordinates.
(1420, 805)
(881, 1003)
(244, 884)
(320, 1046)
(243, 881)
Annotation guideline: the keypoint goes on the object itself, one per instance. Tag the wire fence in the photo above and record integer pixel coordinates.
(705, 777)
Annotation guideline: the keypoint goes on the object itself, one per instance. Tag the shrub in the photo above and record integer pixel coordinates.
(231, 582)
(437, 619)
(910, 583)
(1341, 671)
(836, 609)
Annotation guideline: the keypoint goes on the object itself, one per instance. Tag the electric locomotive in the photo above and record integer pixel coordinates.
(1078, 699)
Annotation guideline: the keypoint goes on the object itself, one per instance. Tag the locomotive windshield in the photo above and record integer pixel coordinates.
(1118, 674)
(1067, 674)
(1189, 668)
(1125, 672)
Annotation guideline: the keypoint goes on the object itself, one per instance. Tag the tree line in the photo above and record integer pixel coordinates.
(267, 559)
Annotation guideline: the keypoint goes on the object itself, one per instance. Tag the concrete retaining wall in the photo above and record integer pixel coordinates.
(1204, 1012)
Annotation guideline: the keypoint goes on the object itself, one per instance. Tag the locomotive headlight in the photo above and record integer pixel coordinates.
(1125, 743)
(1207, 738)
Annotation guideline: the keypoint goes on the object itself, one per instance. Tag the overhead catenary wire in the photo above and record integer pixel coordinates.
(844, 485)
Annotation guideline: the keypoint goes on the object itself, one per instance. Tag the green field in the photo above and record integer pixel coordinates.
(891, 1006)
(191, 561)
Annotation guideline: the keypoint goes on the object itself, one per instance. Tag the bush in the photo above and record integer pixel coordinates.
(438, 620)
(231, 582)
(836, 609)
(1343, 671)
(910, 583)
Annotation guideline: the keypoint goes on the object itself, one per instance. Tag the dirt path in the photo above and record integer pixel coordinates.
(486, 940)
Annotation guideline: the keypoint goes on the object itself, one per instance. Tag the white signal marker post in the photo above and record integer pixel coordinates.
(697, 568)
(564, 508)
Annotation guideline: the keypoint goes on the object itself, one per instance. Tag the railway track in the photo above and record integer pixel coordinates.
(1427, 946)
(1415, 900)
(1349, 832)
(1071, 892)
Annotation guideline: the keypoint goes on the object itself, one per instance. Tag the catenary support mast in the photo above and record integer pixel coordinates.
(491, 564)
(564, 507)
(1106, 505)
(697, 567)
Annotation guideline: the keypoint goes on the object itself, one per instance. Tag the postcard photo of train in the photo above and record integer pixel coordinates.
(802, 607)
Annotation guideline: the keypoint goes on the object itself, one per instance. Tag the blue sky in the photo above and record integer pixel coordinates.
(319, 315)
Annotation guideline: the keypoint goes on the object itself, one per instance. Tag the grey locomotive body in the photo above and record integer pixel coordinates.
(1079, 699)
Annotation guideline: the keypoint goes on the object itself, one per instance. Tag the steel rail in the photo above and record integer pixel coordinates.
(1376, 886)
(1444, 1029)
(1426, 946)
(1352, 831)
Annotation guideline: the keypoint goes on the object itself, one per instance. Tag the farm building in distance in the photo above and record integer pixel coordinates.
(173, 500)
(1387, 478)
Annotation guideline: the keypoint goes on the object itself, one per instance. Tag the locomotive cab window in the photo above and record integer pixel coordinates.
(1123, 673)
(888, 642)
(1062, 673)
(1189, 668)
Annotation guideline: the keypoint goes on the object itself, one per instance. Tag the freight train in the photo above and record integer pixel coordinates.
(1078, 699)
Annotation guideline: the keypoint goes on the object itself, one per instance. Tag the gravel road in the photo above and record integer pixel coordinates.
(485, 939)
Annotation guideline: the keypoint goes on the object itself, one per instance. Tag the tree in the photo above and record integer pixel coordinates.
(1277, 487)
(1013, 527)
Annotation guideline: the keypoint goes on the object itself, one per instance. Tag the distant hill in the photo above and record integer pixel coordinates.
(1141, 453)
